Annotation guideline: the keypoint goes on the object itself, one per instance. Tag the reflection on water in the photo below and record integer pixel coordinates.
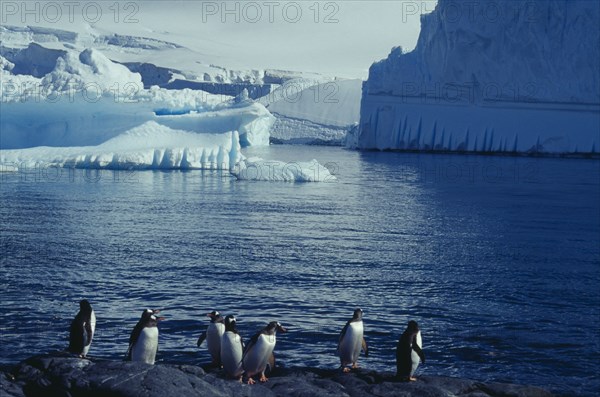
(496, 258)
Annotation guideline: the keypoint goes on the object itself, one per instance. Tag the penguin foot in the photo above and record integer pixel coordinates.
(251, 381)
(263, 378)
(355, 366)
(346, 370)
(412, 379)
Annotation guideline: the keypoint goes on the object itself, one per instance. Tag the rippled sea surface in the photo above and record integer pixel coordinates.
(497, 258)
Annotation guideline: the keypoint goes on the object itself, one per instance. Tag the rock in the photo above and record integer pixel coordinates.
(8, 386)
(61, 375)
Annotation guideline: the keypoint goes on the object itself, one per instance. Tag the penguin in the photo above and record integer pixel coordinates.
(259, 351)
(351, 341)
(213, 335)
(232, 348)
(143, 342)
(409, 343)
(82, 330)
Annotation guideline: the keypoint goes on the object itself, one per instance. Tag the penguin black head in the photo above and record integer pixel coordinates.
(85, 306)
(215, 316)
(230, 319)
(273, 327)
(357, 314)
(149, 318)
(412, 326)
(146, 314)
(230, 323)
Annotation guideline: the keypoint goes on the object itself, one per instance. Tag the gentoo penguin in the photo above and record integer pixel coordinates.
(213, 335)
(259, 351)
(351, 341)
(232, 349)
(408, 343)
(82, 329)
(143, 342)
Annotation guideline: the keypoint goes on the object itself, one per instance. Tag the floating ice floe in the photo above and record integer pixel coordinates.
(8, 167)
(148, 146)
(259, 169)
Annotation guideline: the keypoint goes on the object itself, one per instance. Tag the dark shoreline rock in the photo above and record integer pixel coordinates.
(63, 375)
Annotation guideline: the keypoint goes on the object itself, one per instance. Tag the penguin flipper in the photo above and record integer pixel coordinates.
(271, 363)
(88, 333)
(201, 338)
(419, 351)
(365, 347)
(250, 344)
(76, 338)
(128, 353)
(133, 338)
(342, 334)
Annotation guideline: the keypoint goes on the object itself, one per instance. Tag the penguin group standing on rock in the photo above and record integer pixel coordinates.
(236, 358)
(229, 352)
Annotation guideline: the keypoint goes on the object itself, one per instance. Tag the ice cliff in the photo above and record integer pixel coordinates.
(489, 76)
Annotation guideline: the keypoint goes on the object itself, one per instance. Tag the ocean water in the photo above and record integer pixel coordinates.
(497, 258)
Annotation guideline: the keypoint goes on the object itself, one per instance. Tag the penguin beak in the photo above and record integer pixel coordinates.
(281, 329)
(160, 319)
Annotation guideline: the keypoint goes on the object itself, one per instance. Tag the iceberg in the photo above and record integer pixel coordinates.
(490, 77)
(87, 99)
(259, 169)
(310, 112)
(148, 146)
(8, 167)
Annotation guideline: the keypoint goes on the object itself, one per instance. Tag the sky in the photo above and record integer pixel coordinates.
(340, 38)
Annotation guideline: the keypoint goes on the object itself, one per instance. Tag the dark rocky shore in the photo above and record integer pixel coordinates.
(66, 376)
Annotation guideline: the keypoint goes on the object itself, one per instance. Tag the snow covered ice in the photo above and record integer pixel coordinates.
(149, 146)
(91, 112)
(525, 82)
(259, 169)
(314, 112)
(84, 89)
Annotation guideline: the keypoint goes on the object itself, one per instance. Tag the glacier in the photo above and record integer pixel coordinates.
(490, 77)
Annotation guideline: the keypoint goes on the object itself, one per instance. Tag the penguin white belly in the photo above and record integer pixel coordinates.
(257, 358)
(231, 354)
(88, 343)
(414, 356)
(213, 339)
(146, 346)
(351, 343)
